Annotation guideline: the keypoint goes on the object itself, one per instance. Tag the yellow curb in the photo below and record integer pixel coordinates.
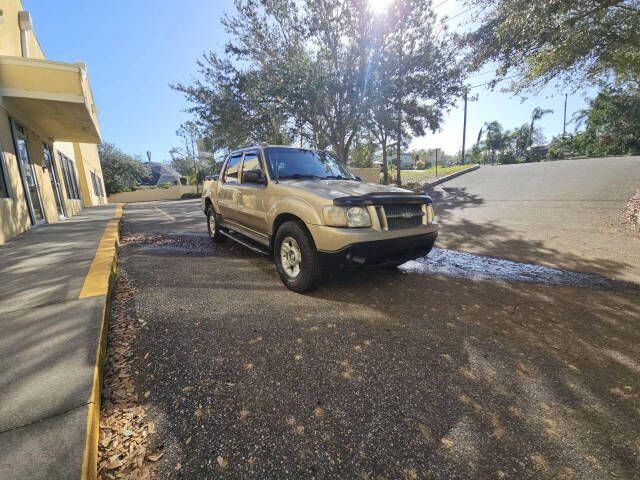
(98, 282)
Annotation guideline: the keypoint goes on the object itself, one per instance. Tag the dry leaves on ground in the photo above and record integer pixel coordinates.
(122, 445)
(631, 212)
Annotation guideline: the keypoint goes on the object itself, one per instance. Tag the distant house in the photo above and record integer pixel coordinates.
(407, 160)
(159, 174)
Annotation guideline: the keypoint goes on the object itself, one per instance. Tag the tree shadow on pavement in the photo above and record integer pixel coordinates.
(487, 237)
(540, 381)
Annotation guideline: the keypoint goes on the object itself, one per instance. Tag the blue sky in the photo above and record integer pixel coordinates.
(134, 49)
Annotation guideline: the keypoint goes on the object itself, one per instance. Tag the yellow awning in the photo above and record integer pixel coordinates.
(54, 97)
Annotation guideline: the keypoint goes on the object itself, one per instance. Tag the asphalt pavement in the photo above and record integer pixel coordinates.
(378, 374)
(563, 214)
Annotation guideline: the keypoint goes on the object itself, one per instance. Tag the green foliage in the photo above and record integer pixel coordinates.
(183, 180)
(185, 196)
(120, 171)
(567, 41)
(323, 72)
(612, 126)
(361, 155)
(165, 185)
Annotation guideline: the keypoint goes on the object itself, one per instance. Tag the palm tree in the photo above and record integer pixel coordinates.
(537, 114)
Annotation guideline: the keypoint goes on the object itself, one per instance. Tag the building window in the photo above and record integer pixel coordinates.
(70, 177)
(4, 184)
(100, 185)
(94, 180)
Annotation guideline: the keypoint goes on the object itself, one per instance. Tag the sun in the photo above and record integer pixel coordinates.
(379, 6)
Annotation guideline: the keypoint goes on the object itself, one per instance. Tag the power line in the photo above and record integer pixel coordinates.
(481, 73)
(440, 4)
(497, 80)
(458, 14)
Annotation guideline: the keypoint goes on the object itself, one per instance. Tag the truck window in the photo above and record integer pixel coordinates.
(233, 167)
(252, 162)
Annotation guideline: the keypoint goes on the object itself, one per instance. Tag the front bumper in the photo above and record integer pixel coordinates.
(381, 252)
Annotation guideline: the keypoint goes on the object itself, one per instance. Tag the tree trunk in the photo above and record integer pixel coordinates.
(530, 133)
(398, 158)
(385, 163)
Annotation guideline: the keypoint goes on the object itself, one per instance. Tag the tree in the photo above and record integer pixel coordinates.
(423, 75)
(612, 124)
(120, 171)
(536, 115)
(293, 68)
(568, 41)
(180, 162)
(495, 139)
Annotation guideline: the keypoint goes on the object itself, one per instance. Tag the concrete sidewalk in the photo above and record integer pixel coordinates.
(54, 285)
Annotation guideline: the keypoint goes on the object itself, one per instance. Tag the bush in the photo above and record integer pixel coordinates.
(183, 180)
(185, 196)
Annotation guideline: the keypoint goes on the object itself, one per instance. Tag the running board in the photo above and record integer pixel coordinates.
(244, 241)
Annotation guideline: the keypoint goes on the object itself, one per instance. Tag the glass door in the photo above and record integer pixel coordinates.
(29, 182)
(53, 175)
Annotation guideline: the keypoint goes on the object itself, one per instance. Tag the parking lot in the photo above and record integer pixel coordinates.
(414, 373)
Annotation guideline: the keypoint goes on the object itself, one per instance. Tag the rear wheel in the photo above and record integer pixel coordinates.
(296, 258)
(212, 226)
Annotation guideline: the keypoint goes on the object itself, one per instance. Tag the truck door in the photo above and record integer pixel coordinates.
(251, 212)
(228, 189)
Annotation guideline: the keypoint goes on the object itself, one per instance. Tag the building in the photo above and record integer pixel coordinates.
(407, 160)
(49, 131)
(160, 173)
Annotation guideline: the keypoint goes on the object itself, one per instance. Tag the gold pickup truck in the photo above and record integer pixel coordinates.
(311, 213)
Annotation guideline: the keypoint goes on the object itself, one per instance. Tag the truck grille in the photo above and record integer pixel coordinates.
(398, 217)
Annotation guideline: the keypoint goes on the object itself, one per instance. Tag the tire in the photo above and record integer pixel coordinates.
(213, 226)
(296, 258)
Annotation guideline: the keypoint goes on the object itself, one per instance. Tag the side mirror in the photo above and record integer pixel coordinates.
(254, 176)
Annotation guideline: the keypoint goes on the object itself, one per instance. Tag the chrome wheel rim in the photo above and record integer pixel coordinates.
(290, 257)
(212, 224)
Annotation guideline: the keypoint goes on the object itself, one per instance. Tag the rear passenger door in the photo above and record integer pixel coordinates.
(228, 189)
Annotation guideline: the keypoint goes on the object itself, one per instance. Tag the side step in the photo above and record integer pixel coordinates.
(247, 242)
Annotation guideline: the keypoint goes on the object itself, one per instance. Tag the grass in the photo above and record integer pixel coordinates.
(421, 176)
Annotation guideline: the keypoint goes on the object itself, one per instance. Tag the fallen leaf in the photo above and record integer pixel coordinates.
(188, 441)
(222, 462)
(155, 457)
(114, 464)
(146, 355)
(178, 466)
(151, 428)
(146, 394)
(188, 388)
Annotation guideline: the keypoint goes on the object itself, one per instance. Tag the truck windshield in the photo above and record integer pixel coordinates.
(287, 163)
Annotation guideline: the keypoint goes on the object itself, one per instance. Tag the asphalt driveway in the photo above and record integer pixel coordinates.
(377, 374)
(563, 214)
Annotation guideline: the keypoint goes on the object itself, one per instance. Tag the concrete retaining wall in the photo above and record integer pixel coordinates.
(150, 194)
(369, 175)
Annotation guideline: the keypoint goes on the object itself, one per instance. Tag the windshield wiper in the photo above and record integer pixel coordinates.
(297, 175)
(336, 177)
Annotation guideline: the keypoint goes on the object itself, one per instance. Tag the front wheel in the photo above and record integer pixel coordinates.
(212, 226)
(296, 258)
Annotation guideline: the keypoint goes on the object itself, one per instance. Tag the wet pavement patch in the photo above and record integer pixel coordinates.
(451, 263)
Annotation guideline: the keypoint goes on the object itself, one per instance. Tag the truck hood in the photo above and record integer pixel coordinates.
(342, 188)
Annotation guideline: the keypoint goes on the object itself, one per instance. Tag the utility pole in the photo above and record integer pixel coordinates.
(437, 162)
(564, 121)
(464, 127)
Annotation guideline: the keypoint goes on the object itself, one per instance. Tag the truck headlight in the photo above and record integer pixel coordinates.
(346, 217)
(429, 214)
(358, 217)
